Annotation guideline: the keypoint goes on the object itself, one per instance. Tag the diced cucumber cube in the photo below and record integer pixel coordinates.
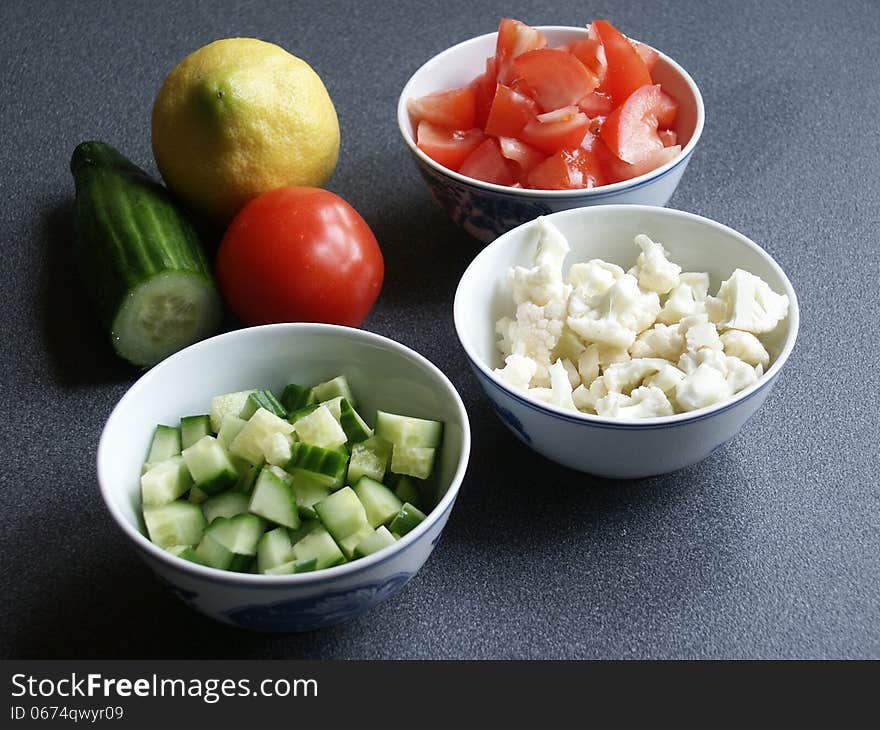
(193, 428)
(228, 504)
(211, 553)
(412, 460)
(196, 495)
(273, 499)
(210, 465)
(229, 404)
(165, 444)
(165, 482)
(326, 464)
(278, 448)
(348, 544)
(308, 489)
(319, 428)
(333, 389)
(408, 518)
(379, 539)
(296, 396)
(407, 490)
(293, 566)
(229, 429)
(274, 549)
(252, 441)
(318, 544)
(185, 552)
(409, 432)
(294, 416)
(334, 405)
(284, 476)
(247, 474)
(306, 526)
(380, 503)
(175, 523)
(240, 535)
(369, 458)
(343, 515)
(262, 399)
(356, 429)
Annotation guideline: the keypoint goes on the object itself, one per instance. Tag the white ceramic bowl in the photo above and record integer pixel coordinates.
(486, 210)
(382, 372)
(613, 447)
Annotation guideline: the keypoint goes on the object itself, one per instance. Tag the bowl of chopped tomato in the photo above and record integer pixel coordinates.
(530, 121)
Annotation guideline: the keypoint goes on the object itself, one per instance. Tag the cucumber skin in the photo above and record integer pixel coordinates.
(128, 229)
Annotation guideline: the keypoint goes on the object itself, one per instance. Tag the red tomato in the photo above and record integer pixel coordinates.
(568, 169)
(630, 131)
(299, 255)
(596, 104)
(448, 147)
(555, 130)
(487, 163)
(589, 52)
(667, 137)
(646, 53)
(626, 70)
(553, 77)
(617, 170)
(514, 39)
(525, 156)
(509, 113)
(484, 92)
(453, 109)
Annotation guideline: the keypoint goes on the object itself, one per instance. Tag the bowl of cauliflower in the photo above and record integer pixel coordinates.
(625, 341)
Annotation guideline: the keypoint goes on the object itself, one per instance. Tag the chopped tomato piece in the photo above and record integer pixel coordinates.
(568, 169)
(668, 137)
(554, 78)
(487, 163)
(626, 70)
(617, 170)
(509, 113)
(555, 130)
(448, 147)
(484, 92)
(453, 109)
(514, 39)
(646, 53)
(596, 104)
(525, 156)
(630, 131)
(589, 52)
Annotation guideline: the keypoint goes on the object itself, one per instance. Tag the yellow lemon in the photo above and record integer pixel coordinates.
(238, 117)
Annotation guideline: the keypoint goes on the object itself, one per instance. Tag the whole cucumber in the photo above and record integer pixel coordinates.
(140, 258)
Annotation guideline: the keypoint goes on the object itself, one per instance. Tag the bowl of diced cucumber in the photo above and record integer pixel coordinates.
(286, 477)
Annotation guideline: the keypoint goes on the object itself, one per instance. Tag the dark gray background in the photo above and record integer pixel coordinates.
(767, 549)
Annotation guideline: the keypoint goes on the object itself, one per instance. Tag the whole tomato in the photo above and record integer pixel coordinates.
(299, 255)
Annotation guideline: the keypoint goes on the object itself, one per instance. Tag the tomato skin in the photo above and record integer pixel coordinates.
(510, 112)
(616, 170)
(488, 164)
(484, 92)
(630, 131)
(447, 147)
(567, 130)
(568, 169)
(453, 109)
(626, 70)
(514, 39)
(590, 53)
(553, 77)
(524, 156)
(299, 254)
(648, 55)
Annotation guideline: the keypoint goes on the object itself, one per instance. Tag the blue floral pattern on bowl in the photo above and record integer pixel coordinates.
(319, 610)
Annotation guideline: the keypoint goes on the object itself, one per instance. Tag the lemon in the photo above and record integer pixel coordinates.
(238, 117)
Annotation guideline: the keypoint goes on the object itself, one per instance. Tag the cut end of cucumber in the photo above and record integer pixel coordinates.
(165, 314)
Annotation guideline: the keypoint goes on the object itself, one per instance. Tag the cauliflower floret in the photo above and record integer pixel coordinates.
(571, 370)
(746, 347)
(542, 394)
(614, 317)
(569, 346)
(586, 398)
(654, 271)
(594, 276)
(588, 364)
(535, 333)
(702, 387)
(688, 297)
(502, 329)
(644, 402)
(702, 336)
(542, 282)
(746, 302)
(610, 355)
(560, 386)
(623, 377)
(740, 374)
(517, 372)
(667, 379)
(659, 341)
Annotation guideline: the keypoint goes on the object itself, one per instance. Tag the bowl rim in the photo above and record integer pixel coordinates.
(252, 580)
(527, 193)
(634, 424)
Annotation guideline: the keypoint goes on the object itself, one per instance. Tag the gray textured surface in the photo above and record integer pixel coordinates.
(768, 549)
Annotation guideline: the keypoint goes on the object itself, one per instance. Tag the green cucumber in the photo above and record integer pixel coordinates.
(408, 518)
(239, 535)
(175, 523)
(308, 489)
(228, 404)
(165, 444)
(273, 499)
(369, 458)
(326, 465)
(343, 516)
(318, 544)
(140, 258)
(274, 549)
(380, 503)
(407, 490)
(414, 461)
(228, 504)
(296, 396)
(185, 552)
(373, 543)
(256, 437)
(293, 566)
(333, 389)
(409, 432)
(294, 416)
(356, 429)
(262, 399)
(197, 496)
(307, 525)
(229, 429)
(211, 468)
(164, 482)
(320, 428)
(192, 428)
